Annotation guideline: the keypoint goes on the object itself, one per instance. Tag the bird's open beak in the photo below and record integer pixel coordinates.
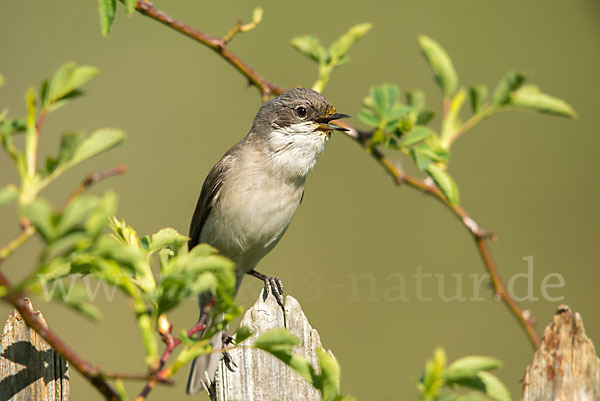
(324, 122)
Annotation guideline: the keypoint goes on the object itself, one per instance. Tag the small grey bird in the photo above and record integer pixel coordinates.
(251, 195)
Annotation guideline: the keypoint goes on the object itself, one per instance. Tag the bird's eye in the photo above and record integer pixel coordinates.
(301, 111)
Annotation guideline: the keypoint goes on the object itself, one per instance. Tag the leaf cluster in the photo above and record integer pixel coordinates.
(442, 382)
(81, 238)
(331, 57)
(404, 125)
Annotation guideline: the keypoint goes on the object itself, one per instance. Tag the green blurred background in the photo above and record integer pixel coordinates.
(532, 179)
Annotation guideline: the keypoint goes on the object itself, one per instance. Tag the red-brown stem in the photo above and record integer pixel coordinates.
(217, 44)
(479, 235)
(40, 122)
(172, 343)
(95, 177)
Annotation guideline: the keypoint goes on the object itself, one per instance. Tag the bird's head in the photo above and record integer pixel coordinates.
(298, 111)
(294, 128)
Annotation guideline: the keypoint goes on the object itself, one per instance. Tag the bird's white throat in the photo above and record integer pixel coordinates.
(296, 148)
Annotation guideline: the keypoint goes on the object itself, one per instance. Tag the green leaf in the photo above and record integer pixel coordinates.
(129, 6)
(451, 120)
(340, 47)
(444, 182)
(191, 273)
(368, 117)
(167, 237)
(478, 96)
(509, 83)
(310, 46)
(107, 10)
(99, 141)
(77, 300)
(416, 135)
(276, 339)
(279, 343)
(377, 138)
(529, 97)
(424, 153)
(494, 388)
(100, 217)
(242, 334)
(440, 63)
(64, 84)
(69, 142)
(431, 379)
(469, 366)
(420, 158)
(8, 194)
(487, 384)
(381, 100)
(415, 99)
(40, 214)
(75, 212)
(424, 117)
(257, 15)
(330, 375)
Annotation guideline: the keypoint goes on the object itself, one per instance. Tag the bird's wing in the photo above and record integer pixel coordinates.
(210, 191)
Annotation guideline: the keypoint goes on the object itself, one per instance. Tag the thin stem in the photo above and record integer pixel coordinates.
(95, 177)
(467, 125)
(479, 235)
(217, 44)
(132, 377)
(16, 242)
(164, 373)
(232, 32)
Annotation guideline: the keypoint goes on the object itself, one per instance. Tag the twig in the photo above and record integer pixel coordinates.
(217, 44)
(95, 177)
(479, 235)
(167, 336)
(399, 176)
(87, 370)
(132, 377)
(26, 233)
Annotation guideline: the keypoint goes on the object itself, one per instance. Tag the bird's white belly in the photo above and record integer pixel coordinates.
(255, 218)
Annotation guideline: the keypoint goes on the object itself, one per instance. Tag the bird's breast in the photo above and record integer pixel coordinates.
(252, 212)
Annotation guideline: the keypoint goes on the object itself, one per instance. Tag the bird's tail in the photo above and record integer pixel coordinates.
(205, 366)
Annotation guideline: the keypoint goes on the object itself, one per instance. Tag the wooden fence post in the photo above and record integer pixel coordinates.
(29, 368)
(565, 367)
(260, 376)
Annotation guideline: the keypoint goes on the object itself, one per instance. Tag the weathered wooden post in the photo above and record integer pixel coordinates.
(29, 368)
(565, 367)
(260, 376)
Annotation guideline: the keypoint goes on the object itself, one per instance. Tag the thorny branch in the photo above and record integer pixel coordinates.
(267, 88)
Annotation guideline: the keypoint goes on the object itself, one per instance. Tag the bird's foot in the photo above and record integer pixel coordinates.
(227, 340)
(273, 285)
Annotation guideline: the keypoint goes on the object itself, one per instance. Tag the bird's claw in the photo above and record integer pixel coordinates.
(227, 340)
(275, 287)
(229, 361)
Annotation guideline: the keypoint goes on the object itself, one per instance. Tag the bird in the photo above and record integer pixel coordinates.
(251, 195)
